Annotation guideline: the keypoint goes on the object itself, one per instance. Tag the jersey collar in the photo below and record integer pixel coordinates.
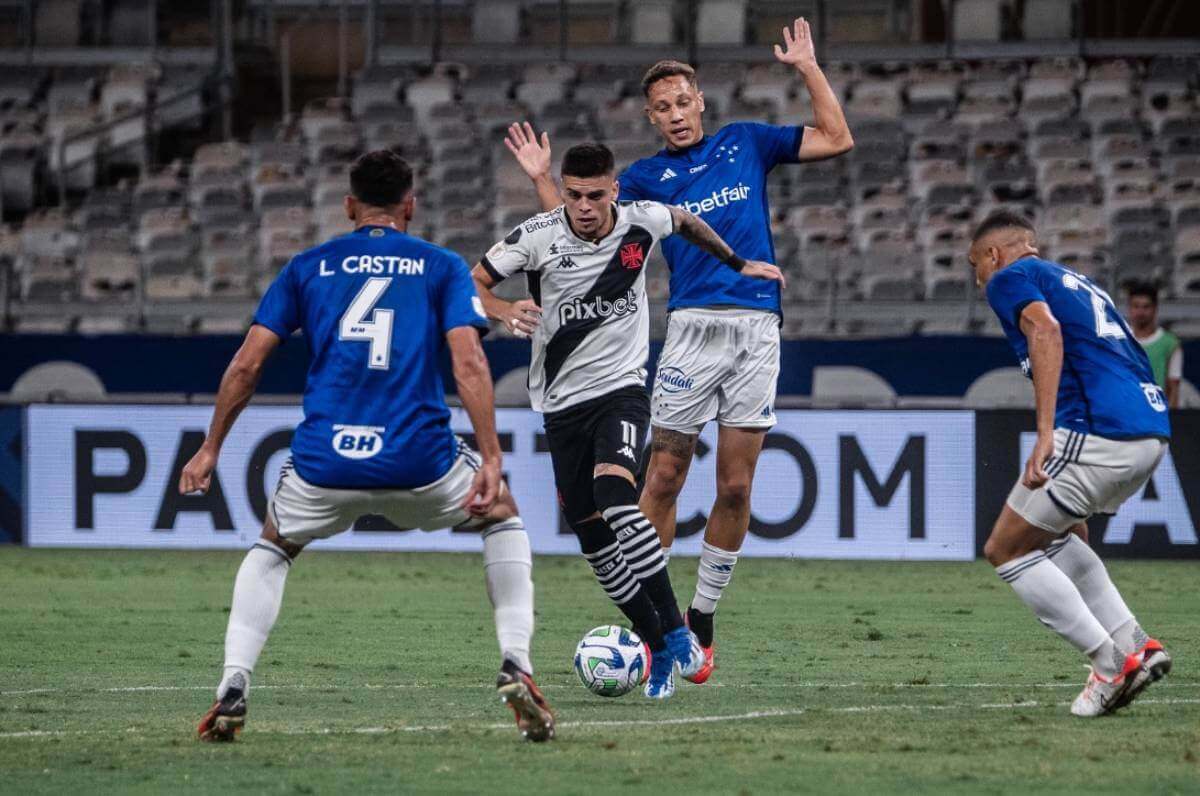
(687, 150)
(370, 228)
(581, 239)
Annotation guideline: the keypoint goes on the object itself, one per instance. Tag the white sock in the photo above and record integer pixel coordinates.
(714, 574)
(1055, 601)
(666, 555)
(507, 565)
(257, 595)
(1085, 569)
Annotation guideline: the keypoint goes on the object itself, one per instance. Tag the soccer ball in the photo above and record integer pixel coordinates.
(611, 661)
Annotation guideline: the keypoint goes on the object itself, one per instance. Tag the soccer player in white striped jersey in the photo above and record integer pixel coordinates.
(590, 329)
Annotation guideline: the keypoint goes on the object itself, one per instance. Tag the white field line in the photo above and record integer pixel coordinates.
(131, 689)
(616, 723)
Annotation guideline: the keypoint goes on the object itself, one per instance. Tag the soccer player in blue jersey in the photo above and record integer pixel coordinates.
(721, 356)
(377, 307)
(1101, 430)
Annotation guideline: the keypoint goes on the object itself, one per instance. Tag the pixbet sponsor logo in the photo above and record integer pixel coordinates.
(718, 199)
(597, 308)
(674, 380)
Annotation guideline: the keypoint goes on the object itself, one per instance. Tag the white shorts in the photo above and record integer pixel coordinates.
(303, 512)
(720, 364)
(1088, 475)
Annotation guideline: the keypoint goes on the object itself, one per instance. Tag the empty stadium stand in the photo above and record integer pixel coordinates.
(1103, 152)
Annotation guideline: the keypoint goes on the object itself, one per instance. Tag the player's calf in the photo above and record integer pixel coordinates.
(616, 497)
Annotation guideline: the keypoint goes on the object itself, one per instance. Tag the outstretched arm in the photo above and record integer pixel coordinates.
(1041, 329)
(831, 136)
(695, 231)
(236, 390)
(533, 155)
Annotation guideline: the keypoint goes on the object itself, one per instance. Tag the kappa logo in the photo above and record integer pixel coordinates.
(567, 262)
(632, 256)
(628, 451)
(667, 174)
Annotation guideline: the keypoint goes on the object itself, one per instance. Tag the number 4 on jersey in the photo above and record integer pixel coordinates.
(377, 330)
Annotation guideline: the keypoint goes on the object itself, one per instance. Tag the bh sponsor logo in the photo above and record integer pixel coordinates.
(674, 380)
(357, 442)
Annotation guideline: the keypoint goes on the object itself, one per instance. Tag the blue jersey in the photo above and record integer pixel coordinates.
(375, 306)
(1107, 386)
(723, 179)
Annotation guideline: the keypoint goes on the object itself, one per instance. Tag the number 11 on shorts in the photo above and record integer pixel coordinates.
(629, 434)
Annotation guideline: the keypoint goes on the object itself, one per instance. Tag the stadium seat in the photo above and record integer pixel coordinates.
(57, 380)
(19, 156)
(1002, 388)
(57, 23)
(108, 276)
(92, 325)
(46, 279)
(977, 20)
(850, 386)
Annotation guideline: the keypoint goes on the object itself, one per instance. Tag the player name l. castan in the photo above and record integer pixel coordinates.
(377, 264)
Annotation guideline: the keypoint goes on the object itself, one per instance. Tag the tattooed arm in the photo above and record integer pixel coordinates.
(696, 232)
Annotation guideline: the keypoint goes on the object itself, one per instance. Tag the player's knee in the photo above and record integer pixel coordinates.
(664, 478)
(505, 508)
(994, 552)
(613, 490)
(733, 491)
(271, 534)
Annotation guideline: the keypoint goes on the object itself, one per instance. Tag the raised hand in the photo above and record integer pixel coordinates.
(532, 155)
(797, 49)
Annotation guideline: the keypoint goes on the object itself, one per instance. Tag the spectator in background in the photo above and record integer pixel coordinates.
(1163, 348)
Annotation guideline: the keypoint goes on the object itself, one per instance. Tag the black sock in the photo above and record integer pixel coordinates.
(702, 625)
(603, 553)
(658, 586)
(639, 543)
(644, 616)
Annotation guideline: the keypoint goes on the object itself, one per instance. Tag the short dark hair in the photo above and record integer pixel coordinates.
(1001, 219)
(1142, 287)
(380, 178)
(588, 160)
(664, 69)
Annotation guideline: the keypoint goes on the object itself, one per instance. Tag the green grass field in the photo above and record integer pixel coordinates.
(834, 677)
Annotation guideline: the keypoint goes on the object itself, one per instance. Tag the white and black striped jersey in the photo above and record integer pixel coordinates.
(594, 336)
